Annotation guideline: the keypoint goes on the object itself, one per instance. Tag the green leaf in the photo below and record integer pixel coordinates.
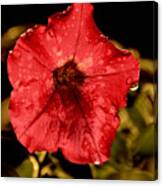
(148, 66)
(145, 103)
(4, 113)
(147, 141)
(136, 174)
(25, 169)
(104, 171)
(11, 35)
(28, 168)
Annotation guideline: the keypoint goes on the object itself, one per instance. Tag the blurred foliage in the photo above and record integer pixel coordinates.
(134, 151)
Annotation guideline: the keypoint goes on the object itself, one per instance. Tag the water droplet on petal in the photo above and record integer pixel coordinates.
(102, 84)
(106, 128)
(112, 110)
(101, 62)
(108, 52)
(17, 53)
(29, 30)
(17, 83)
(59, 53)
(134, 87)
(85, 142)
(97, 163)
(28, 105)
(23, 34)
(76, 10)
(51, 32)
(129, 80)
(68, 8)
(101, 35)
(64, 12)
(41, 30)
(115, 122)
(59, 39)
(119, 59)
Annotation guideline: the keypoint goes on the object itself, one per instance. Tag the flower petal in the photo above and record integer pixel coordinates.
(41, 43)
(96, 55)
(44, 133)
(91, 116)
(51, 44)
(27, 103)
(23, 67)
(114, 86)
(76, 140)
(67, 25)
(101, 116)
(80, 136)
(79, 119)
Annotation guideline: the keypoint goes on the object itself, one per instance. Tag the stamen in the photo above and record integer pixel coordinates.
(68, 74)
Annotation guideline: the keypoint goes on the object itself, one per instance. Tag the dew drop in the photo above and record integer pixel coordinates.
(28, 105)
(129, 80)
(59, 53)
(106, 128)
(102, 84)
(23, 34)
(97, 163)
(99, 77)
(101, 146)
(101, 100)
(86, 144)
(10, 52)
(86, 38)
(17, 53)
(29, 30)
(101, 62)
(134, 87)
(51, 33)
(50, 20)
(20, 75)
(41, 30)
(64, 12)
(59, 39)
(108, 69)
(101, 35)
(17, 83)
(119, 59)
(68, 8)
(112, 110)
(108, 52)
(76, 10)
(115, 123)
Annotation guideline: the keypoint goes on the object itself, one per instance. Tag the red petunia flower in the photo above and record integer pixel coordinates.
(68, 83)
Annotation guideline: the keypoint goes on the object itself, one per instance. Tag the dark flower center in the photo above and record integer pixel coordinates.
(68, 75)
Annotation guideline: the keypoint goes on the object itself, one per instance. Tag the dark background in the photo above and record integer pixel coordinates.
(134, 24)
